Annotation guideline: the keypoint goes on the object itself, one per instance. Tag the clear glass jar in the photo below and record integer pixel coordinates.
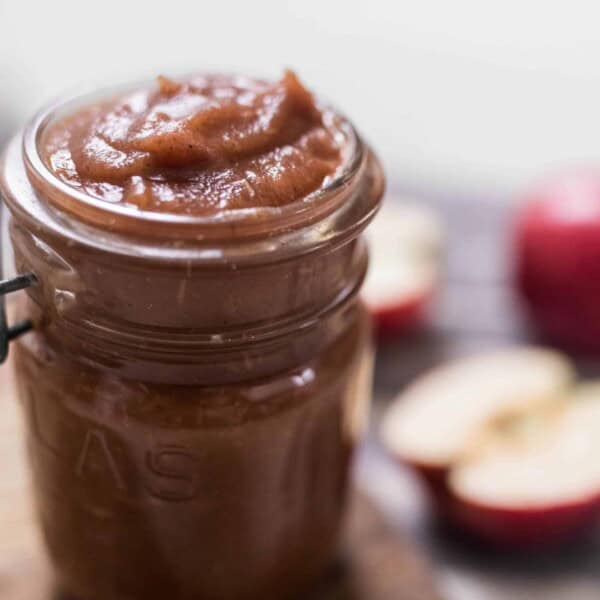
(193, 387)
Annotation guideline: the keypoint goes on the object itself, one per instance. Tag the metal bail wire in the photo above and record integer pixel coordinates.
(20, 282)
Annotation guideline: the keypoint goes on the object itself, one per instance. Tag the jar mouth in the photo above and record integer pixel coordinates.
(237, 223)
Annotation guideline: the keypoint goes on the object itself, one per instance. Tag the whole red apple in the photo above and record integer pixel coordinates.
(557, 254)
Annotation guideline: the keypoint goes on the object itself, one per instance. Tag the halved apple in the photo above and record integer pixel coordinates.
(442, 414)
(398, 291)
(405, 241)
(535, 481)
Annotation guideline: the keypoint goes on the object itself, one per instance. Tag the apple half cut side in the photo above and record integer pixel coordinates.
(398, 292)
(538, 483)
(443, 413)
(405, 242)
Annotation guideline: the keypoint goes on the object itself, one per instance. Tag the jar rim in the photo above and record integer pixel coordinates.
(122, 218)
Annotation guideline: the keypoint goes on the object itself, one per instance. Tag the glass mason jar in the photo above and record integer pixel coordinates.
(193, 387)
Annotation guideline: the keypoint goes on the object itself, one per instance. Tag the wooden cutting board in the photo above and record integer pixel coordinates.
(378, 564)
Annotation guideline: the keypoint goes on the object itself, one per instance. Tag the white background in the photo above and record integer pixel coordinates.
(468, 94)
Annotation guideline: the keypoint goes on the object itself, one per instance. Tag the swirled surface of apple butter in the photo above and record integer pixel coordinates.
(199, 146)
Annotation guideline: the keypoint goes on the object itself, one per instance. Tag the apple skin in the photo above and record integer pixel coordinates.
(435, 481)
(526, 528)
(407, 316)
(501, 527)
(557, 256)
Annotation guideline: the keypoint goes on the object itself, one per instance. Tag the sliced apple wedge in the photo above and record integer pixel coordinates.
(405, 242)
(536, 482)
(435, 421)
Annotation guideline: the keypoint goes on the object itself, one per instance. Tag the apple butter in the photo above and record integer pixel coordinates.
(198, 372)
(209, 144)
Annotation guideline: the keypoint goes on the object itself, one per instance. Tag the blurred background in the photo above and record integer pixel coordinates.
(467, 103)
(467, 94)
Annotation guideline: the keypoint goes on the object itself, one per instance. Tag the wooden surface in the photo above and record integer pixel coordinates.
(23, 573)
(377, 565)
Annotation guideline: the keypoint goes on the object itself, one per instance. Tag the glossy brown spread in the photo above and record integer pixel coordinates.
(200, 146)
(191, 411)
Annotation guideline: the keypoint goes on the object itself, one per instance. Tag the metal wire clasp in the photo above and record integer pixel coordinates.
(20, 282)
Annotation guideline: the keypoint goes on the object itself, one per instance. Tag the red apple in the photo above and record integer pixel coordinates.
(557, 254)
(405, 242)
(536, 484)
(443, 413)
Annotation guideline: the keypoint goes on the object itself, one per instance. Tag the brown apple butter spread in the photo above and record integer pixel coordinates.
(204, 145)
(197, 376)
